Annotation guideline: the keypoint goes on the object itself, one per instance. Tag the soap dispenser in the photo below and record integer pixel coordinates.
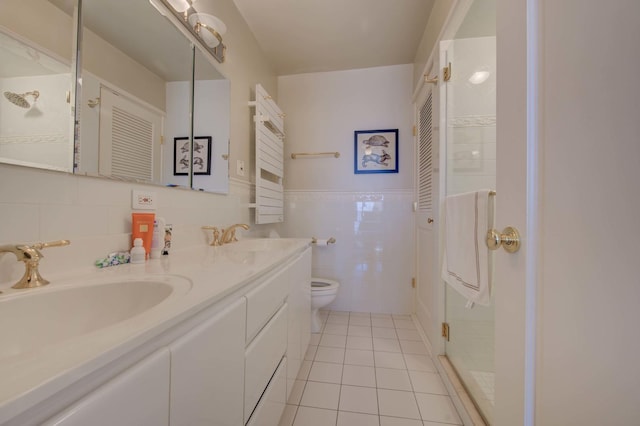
(138, 255)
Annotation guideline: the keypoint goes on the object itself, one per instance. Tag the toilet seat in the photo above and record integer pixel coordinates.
(321, 286)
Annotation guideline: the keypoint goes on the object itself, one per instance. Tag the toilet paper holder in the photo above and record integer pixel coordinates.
(331, 240)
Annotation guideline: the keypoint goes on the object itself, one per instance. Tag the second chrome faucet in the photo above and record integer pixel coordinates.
(225, 236)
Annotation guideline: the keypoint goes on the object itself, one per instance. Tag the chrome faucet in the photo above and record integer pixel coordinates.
(229, 234)
(31, 255)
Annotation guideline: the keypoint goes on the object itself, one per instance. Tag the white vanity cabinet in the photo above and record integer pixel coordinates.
(139, 396)
(207, 370)
(228, 362)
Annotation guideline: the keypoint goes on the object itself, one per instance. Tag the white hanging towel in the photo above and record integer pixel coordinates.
(465, 264)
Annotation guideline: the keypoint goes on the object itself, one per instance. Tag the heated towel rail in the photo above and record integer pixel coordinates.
(269, 126)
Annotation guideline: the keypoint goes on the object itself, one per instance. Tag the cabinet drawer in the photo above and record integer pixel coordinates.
(262, 357)
(264, 300)
(137, 397)
(271, 405)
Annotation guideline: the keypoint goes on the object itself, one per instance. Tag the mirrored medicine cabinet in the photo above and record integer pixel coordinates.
(151, 106)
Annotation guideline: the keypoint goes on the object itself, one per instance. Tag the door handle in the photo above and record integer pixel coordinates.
(429, 220)
(509, 239)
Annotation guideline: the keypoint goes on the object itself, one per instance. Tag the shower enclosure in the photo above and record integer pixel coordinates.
(471, 165)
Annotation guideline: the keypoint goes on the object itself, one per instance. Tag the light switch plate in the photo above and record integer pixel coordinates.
(143, 200)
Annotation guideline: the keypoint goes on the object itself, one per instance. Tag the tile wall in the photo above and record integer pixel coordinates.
(372, 257)
(95, 214)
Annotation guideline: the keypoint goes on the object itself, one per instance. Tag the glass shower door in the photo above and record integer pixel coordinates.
(471, 165)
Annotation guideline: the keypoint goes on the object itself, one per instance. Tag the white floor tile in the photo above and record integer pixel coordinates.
(288, 415)
(406, 334)
(396, 421)
(325, 372)
(357, 342)
(420, 363)
(359, 375)
(359, 330)
(427, 382)
(389, 378)
(386, 345)
(384, 316)
(437, 408)
(404, 317)
(338, 319)
(404, 323)
(427, 423)
(358, 399)
(307, 416)
(358, 357)
(384, 333)
(397, 404)
(324, 354)
(333, 341)
(389, 360)
(382, 322)
(360, 314)
(411, 347)
(321, 395)
(296, 392)
(340, 329)
(358, 320)
(356, 419)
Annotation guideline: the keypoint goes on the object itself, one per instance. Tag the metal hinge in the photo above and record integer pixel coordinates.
(413, 282)
(161, 140)
(414, 131)
(446, 71)
(445, 331)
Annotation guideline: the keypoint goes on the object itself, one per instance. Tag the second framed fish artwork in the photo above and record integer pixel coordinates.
(376, 151)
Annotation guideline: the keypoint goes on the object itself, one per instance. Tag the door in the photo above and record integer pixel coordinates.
(130, 138)
(567, 178)
(427, 193)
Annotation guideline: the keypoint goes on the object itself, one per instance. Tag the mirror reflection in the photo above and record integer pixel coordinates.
(36, 116)
(135, 96)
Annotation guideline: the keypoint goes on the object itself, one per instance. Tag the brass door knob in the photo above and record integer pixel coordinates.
(429, 220)
(509, 239)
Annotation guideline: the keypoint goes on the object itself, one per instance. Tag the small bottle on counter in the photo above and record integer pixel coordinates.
(138, 254)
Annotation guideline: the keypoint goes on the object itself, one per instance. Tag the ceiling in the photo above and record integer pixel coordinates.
(302, 36)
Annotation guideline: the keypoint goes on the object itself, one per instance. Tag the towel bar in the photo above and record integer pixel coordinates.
(295, 155)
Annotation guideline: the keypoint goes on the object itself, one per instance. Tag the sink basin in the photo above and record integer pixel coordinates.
(33, 319)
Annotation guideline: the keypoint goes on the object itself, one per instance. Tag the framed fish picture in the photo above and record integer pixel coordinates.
(376, 151)
(201, 155)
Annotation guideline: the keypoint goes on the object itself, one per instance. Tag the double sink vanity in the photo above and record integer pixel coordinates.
(207, 335)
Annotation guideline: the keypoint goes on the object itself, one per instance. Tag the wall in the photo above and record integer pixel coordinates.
(41, 134)
(211, 106)
(437, 18)
(369, 215)
(39, 205)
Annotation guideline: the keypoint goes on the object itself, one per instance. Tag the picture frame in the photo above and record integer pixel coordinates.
(375, 151)
(201, 158)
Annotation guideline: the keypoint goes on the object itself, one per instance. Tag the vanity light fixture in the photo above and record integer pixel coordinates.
(179, 5)
(208, 27)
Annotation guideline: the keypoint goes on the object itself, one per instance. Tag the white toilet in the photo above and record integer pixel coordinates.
(323, 292)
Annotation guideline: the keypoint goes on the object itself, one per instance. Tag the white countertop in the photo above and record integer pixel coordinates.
(213, 274)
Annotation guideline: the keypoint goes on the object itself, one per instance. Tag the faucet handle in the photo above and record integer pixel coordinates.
(216, 235)
(31, 256)
(56, 243)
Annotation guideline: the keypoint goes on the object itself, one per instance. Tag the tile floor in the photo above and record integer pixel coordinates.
(368, 369)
